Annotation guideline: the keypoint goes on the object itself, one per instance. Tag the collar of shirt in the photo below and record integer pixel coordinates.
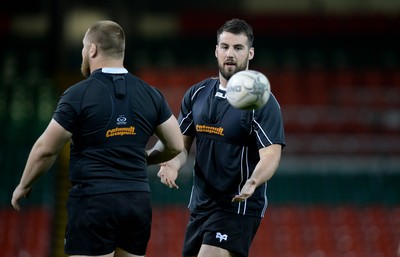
(113, 70)
(221, 92)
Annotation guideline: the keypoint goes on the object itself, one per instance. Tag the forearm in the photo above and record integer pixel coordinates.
(39, 161)
(267, 165)
(263, 172)
(42, 156)
(160, 153)
(170, 142)
(180, 160)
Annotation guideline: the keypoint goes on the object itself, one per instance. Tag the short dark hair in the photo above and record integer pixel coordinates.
(109, 37)
(237, 26)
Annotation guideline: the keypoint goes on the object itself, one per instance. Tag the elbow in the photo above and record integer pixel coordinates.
(177, 149)
(155, 156)
(173, 154)
(44, 151)
(178, 146)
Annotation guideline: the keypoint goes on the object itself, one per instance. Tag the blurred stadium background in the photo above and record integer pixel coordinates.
(334, 65)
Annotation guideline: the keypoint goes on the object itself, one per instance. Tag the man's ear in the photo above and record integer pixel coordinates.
(251, 53)
(92, 50)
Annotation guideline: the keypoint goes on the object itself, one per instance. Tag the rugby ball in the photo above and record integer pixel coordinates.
(248, 90)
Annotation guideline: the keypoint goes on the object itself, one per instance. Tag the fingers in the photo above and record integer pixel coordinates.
(168, 182)
(172, 184)
(168, 177)
(15, 205)
(18, 195)
(246, 192)
(239, 198)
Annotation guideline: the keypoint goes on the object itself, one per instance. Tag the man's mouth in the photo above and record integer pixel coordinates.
(230, 64)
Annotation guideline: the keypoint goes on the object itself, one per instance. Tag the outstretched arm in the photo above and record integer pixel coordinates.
(42, 156)
(269, 160)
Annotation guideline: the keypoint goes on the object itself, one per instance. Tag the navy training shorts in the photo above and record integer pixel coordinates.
(98, 224)
(226, 230)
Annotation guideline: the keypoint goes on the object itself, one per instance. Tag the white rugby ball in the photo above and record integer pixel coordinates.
(248, 90)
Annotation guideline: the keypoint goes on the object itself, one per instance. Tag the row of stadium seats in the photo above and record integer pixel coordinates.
(299, 231)
(346, 100)
(25, 234)
(312, 215)
(315, 87)
(330, 231)
(286, 231)
(356, 103)
(325, 112)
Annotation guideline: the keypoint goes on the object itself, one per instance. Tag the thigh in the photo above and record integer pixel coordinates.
(122, 253)
(209, 250)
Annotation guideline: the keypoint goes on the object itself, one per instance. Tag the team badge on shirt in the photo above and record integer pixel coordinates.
(121, 120)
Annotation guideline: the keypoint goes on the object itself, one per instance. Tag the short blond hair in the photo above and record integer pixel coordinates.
(109, 37)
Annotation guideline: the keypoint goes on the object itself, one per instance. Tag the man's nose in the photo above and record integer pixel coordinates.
(229, 53)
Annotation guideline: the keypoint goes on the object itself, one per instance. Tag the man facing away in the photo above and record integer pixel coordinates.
(109, 118)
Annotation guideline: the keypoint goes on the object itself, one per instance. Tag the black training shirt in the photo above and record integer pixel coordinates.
(227, 144)
(111, 116)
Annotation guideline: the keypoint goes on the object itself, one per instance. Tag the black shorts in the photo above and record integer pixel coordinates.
(97, 224)
(221, 229)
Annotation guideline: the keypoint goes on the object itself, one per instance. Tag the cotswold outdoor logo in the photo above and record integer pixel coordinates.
(210, 129)
(221, 236)
(129, 131)
(121, 120)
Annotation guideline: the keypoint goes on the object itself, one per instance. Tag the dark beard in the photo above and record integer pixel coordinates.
(228, 75)
(85, 69)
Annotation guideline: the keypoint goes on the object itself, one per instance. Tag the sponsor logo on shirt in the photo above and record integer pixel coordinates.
(210, 129)
(121, 120)
(129, 131)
